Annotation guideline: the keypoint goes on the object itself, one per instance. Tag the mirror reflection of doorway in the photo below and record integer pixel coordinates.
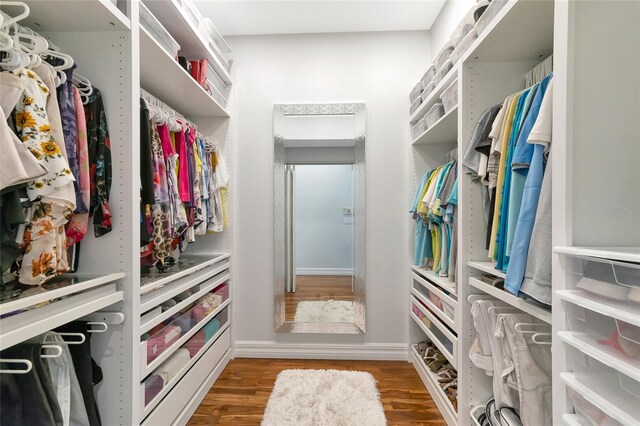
(320, 243)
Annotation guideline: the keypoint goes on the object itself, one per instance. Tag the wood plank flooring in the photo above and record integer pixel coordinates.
(240, 395)
(317, 287)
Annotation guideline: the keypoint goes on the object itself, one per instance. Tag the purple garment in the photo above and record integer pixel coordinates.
(69, 129)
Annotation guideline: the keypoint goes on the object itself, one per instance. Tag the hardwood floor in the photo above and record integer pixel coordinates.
(240, 395)
(317, 287)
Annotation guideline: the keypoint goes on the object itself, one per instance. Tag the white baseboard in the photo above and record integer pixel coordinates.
(325, 271)
(366, 351)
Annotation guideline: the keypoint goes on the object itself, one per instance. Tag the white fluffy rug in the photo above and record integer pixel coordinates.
(324, 398)
(325, 311)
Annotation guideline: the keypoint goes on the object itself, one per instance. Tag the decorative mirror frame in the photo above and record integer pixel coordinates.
(280, 111)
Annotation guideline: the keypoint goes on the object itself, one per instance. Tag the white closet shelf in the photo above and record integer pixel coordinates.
(624, 254)
(431, 383)
(603, 353)
(571, 420)
(147, 368)
(488, 267)
(149, 323)
(445, 319)
(443, 282)
(435, 289)
(76, 15)
(598, 400)
(445, 130)
(149, 301)
(164, 78)
(516, 302)
(435, 95)
(627, 312)
(23, 326)
(171, 384)
(61, 286)
(521, 31)
(189, 263)
(192, 44)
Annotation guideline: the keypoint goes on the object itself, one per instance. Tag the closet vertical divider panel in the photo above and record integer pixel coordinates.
(108, 58)
(484, 84)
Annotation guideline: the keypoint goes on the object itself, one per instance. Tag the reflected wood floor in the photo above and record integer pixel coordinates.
(240, 395)
(317, 287)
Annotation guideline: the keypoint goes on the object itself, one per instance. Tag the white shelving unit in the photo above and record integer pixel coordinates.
(118, 57)
(494, 66)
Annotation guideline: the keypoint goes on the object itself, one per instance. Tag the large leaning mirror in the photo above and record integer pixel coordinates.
(319, 218)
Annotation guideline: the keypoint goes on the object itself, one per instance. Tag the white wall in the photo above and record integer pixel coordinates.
(324, 242)
(376, 68)
(447, 20)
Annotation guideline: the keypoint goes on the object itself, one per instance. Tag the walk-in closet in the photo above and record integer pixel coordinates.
(230, 212)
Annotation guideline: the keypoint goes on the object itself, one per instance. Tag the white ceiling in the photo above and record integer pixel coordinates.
(242, 17)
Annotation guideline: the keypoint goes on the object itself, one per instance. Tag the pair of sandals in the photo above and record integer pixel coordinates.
(451, 390)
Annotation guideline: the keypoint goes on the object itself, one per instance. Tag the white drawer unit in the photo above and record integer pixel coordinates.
(436, 331)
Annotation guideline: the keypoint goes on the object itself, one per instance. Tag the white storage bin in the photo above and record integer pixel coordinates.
(490, 12)
(216, 81)
(619, 389)
(434, 114)
(449, 96)
(428, 76)
(442, 72)
(416, 92)
(419, 128)
(588, 414)
(209, 31)
(157, 31)
(438, 301)
(415, 105)
(428, 90)
(463, 46)
(192, 12)
(443, 55)
(604, 333)
(609, 279)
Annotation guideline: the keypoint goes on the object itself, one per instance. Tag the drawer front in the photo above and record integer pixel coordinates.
(436, 331)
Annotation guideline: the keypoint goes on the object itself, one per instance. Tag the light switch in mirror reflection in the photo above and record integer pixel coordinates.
(319, 218)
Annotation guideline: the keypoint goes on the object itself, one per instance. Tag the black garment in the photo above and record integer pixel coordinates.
(146, 166)
(11, 216)
(99, 147)
(88, 372)
(492, 210)
(39, 402)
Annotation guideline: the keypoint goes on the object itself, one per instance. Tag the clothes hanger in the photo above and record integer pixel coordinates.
(102, 327)
(57, 351)
(78, 339)
(28, 366)
(25, 12)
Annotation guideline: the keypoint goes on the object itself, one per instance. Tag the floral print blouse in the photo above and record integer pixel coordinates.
(34, 130)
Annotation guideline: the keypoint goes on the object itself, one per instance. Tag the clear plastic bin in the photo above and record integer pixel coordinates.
(415, 105)
(443, 55)
(419, 128)
(434, 114)
(165, 374)
(192, 12)
(588, 413)
(604, 332)
(442, 71)
(449, 96)
(609, 279)
(461, 48)
(215, 81)
(434, 328)
(416, 92)
(428, 76)
(619, 389)
(157, 31)
(438, 302)
(164, 335)
(489, 13)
